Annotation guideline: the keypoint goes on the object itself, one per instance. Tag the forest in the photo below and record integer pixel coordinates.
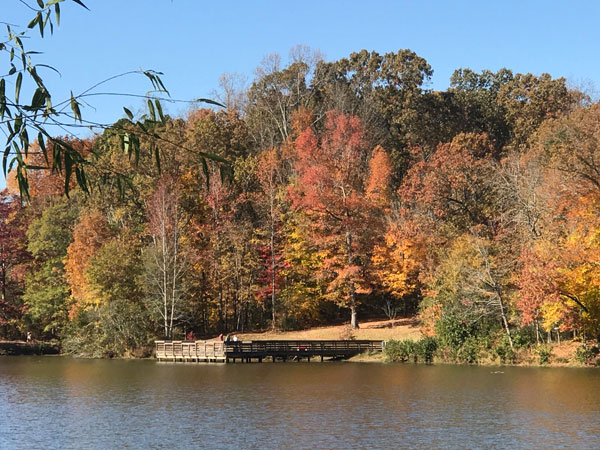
(337, 191)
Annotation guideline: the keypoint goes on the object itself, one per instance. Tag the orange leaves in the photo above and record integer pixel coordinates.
(560, 279)
(91, 232)
(537, 281)
(380, 172)
(454, 181)
(331, 172)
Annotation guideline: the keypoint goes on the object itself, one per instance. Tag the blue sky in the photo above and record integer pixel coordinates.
(194, 42)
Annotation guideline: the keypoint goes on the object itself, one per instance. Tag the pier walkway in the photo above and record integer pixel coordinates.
(216, 351)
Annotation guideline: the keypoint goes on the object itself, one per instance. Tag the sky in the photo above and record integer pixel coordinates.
(194, 42)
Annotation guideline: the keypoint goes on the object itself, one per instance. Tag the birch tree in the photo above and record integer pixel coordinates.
(166, 262)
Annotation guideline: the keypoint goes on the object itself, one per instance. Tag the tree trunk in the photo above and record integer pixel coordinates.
(505, 320)
(221, 319)
(353, 319)
(272, 270)
(353, 322)
(3, 281)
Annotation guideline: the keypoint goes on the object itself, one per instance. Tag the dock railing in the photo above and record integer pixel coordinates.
(190, 350)
(247, 350)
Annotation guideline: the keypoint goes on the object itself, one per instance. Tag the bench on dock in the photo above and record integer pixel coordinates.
(211, 351)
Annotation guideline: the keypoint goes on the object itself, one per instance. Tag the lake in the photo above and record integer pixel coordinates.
(60, 402)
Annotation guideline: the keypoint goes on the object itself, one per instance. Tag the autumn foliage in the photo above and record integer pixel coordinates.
(339, 191)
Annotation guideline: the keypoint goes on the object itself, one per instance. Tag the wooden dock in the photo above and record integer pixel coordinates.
(216, 351)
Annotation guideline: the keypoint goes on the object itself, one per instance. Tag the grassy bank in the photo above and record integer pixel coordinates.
(384, 330)
(429, 350)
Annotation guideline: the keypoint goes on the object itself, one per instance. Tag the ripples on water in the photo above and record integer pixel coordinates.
(56, 402)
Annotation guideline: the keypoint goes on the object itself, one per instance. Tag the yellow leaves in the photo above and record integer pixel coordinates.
(396, 263)
(553, 313)
(569, 263)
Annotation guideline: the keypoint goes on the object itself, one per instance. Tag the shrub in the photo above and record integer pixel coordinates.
(544, 352)
(425, 349)
(583, 355)
(452, 332)
(504, 352)
(402, 351)
(523, 337)
(470, 351)
(399, 351)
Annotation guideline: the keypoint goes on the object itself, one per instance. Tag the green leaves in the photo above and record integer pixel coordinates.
(38, 100)
(157, 83)
(20, 119)
(81, 4)
(75, 108)
(209, 101)
(128, 113)
(160, 111)
(17, 86)
(151, 110)
(3, 109)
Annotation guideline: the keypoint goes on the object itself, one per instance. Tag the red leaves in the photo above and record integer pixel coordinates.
(537, 284)
(12, 253)
(343, 191)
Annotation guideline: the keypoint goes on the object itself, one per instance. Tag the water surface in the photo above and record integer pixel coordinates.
(57, 402)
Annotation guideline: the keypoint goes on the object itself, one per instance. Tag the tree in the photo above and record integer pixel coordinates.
(46, 292)
(386, 92)
(537, 284)
(528, 100)
(569, 144)
(559, 280)
(473, 278)
(268, 172)
(89, 235)
(454, 184)
(166, 263)
(277, 93)
(302, 288)
(13, 253)
(476, 97)
(331, 189)
(397, 262)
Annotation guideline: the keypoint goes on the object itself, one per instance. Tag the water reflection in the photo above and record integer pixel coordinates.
(58, 402)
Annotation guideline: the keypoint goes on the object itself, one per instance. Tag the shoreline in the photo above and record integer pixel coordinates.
(19, 348)
(22, 348)
(381, 359)
(557, 355)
